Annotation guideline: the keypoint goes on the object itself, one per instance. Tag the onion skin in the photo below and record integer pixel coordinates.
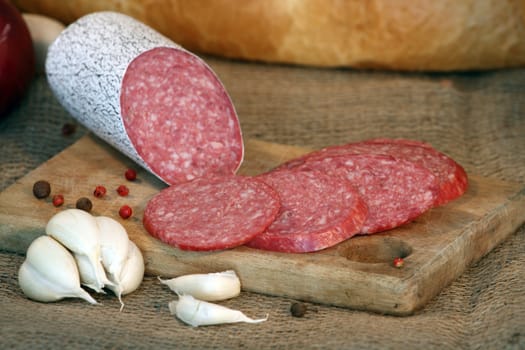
(17, 58)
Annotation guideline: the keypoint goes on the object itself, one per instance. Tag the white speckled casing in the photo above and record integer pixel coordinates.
(85, 66)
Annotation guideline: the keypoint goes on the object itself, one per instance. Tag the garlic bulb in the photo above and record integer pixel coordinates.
(202, 313)
(210, 287)
(78, 231)
(100, 255)
(49, 273)
(132, 273)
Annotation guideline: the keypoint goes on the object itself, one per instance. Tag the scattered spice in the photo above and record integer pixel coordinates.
(298, 309)
(398, 262)
(100, 191)
(84, 204)
(68, 129)
(41, 189)
(122, 190)
(58, 200)
(130, 174)
(125, 211)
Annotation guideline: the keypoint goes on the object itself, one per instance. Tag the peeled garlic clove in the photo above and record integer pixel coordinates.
(78, 231)
(114, 246)
(88, 274)
(132, 274)
(210, 286)
(49, 273)
(202, 313)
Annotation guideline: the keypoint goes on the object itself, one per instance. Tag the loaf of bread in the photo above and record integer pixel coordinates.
(411, 35)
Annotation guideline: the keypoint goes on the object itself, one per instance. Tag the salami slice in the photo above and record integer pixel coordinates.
(157, 103)
(318, 211)
(396, 191)
(213, 213)
(452, 178)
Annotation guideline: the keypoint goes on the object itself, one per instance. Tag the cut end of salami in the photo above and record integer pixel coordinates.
(179, 117)
(318, 211)
(213, 213)
(154, 101)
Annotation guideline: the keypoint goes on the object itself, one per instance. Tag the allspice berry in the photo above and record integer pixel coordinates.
(85, 204)
(41, 189)
(298, 309)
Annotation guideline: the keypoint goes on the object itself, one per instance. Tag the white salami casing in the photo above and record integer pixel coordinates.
(157, 103)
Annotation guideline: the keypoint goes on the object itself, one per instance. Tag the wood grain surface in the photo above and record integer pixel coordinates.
(358, 273)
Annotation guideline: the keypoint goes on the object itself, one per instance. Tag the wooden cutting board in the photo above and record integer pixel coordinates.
(357, 273)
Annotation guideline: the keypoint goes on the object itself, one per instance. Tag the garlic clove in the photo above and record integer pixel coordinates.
(49, 273)
(210, 287)
(202, 313)
(114, 246)
(36, 287)
(88, 276)
(54, 262)
(78, 231)
(132, 274)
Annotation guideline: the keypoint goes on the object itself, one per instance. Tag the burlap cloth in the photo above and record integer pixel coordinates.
(478, 118)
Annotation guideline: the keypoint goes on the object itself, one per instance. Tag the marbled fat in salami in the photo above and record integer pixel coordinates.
(452, 177)
(318, 211)
(396, 191)
(211, 213)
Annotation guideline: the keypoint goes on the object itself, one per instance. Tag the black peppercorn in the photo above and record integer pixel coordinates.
(68, 129)
(41, 189)
(84, 204)
(298, 309)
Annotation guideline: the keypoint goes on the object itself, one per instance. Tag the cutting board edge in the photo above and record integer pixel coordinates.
(494, 223)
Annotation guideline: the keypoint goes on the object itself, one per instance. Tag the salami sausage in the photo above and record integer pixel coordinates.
(318, 211)
(396, 191)
(212, 213)
(157, 103)
(452, 178)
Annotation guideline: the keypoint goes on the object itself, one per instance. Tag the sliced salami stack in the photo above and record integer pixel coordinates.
(450, 175)
(396, 191)
(328, 196)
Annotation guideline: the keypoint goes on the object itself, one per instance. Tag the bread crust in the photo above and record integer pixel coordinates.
(411, 35)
